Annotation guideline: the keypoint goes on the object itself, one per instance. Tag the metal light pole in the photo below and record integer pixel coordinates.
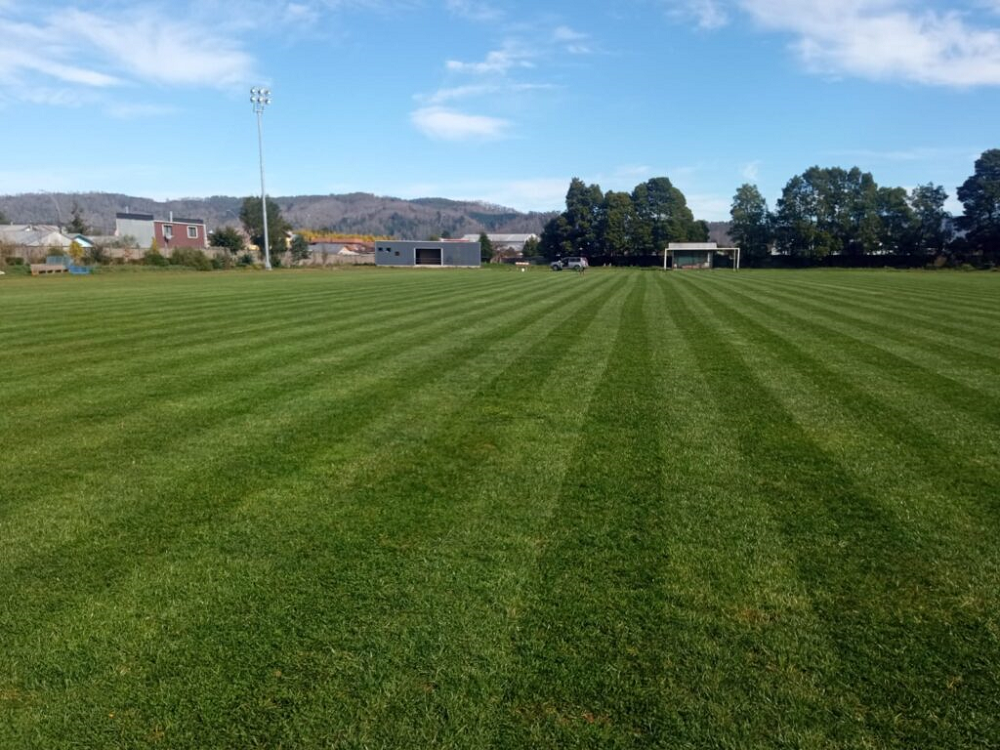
(260, 99)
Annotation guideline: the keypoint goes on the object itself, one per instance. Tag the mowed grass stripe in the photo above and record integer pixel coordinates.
(893, 453)
(195, 469)
(447, 608)
(628, 509)
(935, 376)
(974, 342)
(930, 291)
(752, 663)
(182, 478)
(213, 332)
(156, 364)
(939, 311)
(869, 575)
(590, 647)
(937, 489)
(411, 517)
(169, 415)
(975, 346)
(212, 326)
(835, 388)
(138, 300)
(201, 442)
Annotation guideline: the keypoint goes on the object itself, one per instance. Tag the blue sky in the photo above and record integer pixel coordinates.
(496, 101)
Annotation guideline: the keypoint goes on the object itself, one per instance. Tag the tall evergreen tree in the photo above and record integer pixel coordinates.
(299, 248)
(617, 227)
(485, 248)
(751, 227)
(663, 216)
(980, 196)
(657, 214)
(862, 233)
(896, 221)
(795, 222)
(829, 211)
(253, 223)
(557, 238)
(583, 214)
(931, 226)
(77, 225)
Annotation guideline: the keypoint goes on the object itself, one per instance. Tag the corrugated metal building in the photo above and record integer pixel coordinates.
(442, 254)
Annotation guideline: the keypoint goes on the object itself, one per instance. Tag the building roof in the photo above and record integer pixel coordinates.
(34, 235)
(515, 238)
(151, 217)
(692, 246)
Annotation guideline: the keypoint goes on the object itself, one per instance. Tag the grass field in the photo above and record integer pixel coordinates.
(488, 509)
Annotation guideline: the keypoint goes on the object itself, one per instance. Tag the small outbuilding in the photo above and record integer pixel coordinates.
(440, 254)
(698, 255)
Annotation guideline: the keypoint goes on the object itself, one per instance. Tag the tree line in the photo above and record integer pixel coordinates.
(619, 223)
(833, 211)
(822, 212)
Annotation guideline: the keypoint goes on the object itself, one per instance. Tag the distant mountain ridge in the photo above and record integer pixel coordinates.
(353, 213)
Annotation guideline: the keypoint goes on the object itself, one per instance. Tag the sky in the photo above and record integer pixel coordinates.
(502, 102)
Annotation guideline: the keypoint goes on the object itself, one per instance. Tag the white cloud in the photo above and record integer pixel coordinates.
(572, 41)
(497, 62)
(121, 48)
(455, 93)
(447, 124)
(474, 10)
(751, 170)
(172, 52)
(300, 13)
(710, 207)
(632, 172)
(885, 40)
(444, 95)
(57, 96)
(65, 73)
(539, 194)
(137, 111)
(707, 14)
(566, 34)
(916, 154)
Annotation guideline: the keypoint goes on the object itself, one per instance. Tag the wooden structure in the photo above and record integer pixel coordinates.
(43, 269)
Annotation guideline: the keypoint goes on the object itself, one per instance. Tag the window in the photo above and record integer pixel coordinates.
(192, 233)
(168, 231)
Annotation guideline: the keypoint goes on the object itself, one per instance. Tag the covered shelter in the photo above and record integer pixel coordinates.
(697, 255)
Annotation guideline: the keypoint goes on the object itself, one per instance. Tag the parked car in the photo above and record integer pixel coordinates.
(573, 264)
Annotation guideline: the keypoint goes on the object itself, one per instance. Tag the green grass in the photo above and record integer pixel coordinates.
(489, 509)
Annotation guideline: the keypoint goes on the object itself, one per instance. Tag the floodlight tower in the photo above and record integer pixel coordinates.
(260, 98)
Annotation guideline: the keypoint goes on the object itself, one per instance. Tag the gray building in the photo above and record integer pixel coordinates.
(442, 254)
(139, 226)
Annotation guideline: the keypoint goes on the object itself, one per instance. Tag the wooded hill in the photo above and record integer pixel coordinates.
(354, 213)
